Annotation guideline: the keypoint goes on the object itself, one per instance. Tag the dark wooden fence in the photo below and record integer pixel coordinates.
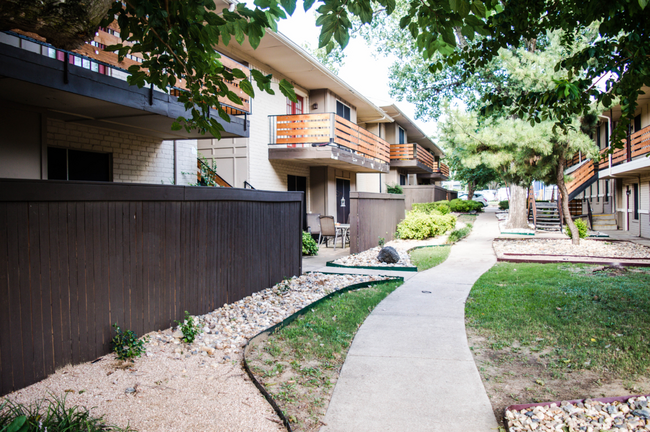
(373, 215)
(78, 257)
(426, 194)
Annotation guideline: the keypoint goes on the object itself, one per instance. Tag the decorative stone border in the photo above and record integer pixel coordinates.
(265, 333)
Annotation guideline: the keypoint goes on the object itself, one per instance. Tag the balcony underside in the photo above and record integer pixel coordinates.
(34, 81)
(636, 168)
(437, 176)
(328, 156)
(410, 166)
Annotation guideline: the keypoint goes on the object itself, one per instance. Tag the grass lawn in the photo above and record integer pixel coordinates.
(560, 331)
(299, 364)
(427, 257)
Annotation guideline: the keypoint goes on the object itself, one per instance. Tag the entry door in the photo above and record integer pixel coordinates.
(299, 184)
(342, 201)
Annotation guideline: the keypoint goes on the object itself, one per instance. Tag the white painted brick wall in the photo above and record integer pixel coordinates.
(136, 158)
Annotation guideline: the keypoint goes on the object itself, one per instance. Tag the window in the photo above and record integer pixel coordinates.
(402, 180)
(65, 164)
(598, 137)
(635, 191)
(637, 123)
(342, 110)
(597, 191)
(401, 135)
(606, 191)
(295, 107)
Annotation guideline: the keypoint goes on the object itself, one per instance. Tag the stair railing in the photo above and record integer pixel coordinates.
(533, 206)
(590, 215)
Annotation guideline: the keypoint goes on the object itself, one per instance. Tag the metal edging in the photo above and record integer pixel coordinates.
(385, 268)
(288, 321)
(519, 407)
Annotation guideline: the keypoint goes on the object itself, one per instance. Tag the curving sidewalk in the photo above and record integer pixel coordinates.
(409, 367)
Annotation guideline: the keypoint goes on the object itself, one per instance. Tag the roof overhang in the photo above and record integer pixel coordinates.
(39, 82)
(412, 166)
(283, 58)
(413, 132)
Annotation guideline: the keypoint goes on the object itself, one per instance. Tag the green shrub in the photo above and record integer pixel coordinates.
(582, 228)
(309, 246)
(441, 206)
(395, 189)
(419, 225)
(189, 328)
(464, 206)
(504, 205)
(126, 344)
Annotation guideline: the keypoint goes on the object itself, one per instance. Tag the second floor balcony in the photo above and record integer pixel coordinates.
(327, 139)
(415, 159)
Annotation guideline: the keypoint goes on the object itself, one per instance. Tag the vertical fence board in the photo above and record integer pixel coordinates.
(6, 361)
(34, 282)
(88, 320)
(24, 299)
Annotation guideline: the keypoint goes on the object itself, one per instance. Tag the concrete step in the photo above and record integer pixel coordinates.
(605, 227)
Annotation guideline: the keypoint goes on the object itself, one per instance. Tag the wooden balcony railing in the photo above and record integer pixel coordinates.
(441, 168)
(328, 129)
(411, 152)
(637, 144)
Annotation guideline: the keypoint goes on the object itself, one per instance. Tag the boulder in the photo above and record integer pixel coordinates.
(388, 255)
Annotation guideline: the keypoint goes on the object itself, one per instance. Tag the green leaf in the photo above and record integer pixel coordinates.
(223, 114)
(17, 424)
(247, 88)
(307, 4)
(287, 89)
(289, 6)
(643, 3)
(463, 8)
(176, 126)
(479, 8)
(342, 36)
(234, 98)
(238, 73)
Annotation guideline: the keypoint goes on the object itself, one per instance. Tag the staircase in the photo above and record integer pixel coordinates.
(604, 222)
(545, 216)
(584, 175)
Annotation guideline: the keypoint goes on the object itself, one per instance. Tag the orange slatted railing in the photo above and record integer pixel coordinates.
(641, 142)
(323, 129)
(411, 152)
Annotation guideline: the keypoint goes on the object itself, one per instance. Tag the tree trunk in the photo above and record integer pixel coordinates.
(517, 213)
(564, 194)
(470, 190)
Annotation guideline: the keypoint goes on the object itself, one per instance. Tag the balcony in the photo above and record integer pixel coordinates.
(629, 161)
(327, 140)
(411, 158)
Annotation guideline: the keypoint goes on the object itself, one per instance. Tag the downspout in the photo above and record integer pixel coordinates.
(609, 141)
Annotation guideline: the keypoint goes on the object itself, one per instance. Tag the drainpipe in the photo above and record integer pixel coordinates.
(609, 140)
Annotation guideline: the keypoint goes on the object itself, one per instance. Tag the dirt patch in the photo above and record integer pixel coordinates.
(163, 391)
(519, 375)
(302, 389)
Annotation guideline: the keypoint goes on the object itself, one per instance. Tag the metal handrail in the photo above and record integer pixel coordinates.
(248, 185)
(211, 174)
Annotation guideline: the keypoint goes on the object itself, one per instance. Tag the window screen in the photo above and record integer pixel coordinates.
(342, 110)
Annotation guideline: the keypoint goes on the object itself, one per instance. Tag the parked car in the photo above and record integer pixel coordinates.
(477, 197)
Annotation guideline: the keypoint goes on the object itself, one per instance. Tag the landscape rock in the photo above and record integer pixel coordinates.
(388, 255)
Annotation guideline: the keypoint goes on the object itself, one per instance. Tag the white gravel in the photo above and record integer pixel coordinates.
(590, 416)
(589, 248)
(190, 387)
(368, 258)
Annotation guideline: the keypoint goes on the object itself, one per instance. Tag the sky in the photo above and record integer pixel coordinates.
(359, 61)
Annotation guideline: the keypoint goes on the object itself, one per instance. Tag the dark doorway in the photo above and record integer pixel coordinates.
(342, 201)
(299, 184)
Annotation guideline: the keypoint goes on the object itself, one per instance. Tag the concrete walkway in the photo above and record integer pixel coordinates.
(409, 367)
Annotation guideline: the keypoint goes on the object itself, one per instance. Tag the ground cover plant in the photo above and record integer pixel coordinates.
(582, 228)
(299, 364)
(428, 257)
(459, 234)
(463, 206)
(126, 344)
(548, 332)
(50, 415)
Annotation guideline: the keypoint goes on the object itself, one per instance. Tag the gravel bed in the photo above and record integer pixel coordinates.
(590, 416)
(368, 258)
(190, 387)
(588, 248)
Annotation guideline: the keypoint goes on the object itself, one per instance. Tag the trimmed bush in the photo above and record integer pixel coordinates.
(419, 225)
(582, 228)
(394, 189)
(441, 206)
(309, 246)
(504, 205)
